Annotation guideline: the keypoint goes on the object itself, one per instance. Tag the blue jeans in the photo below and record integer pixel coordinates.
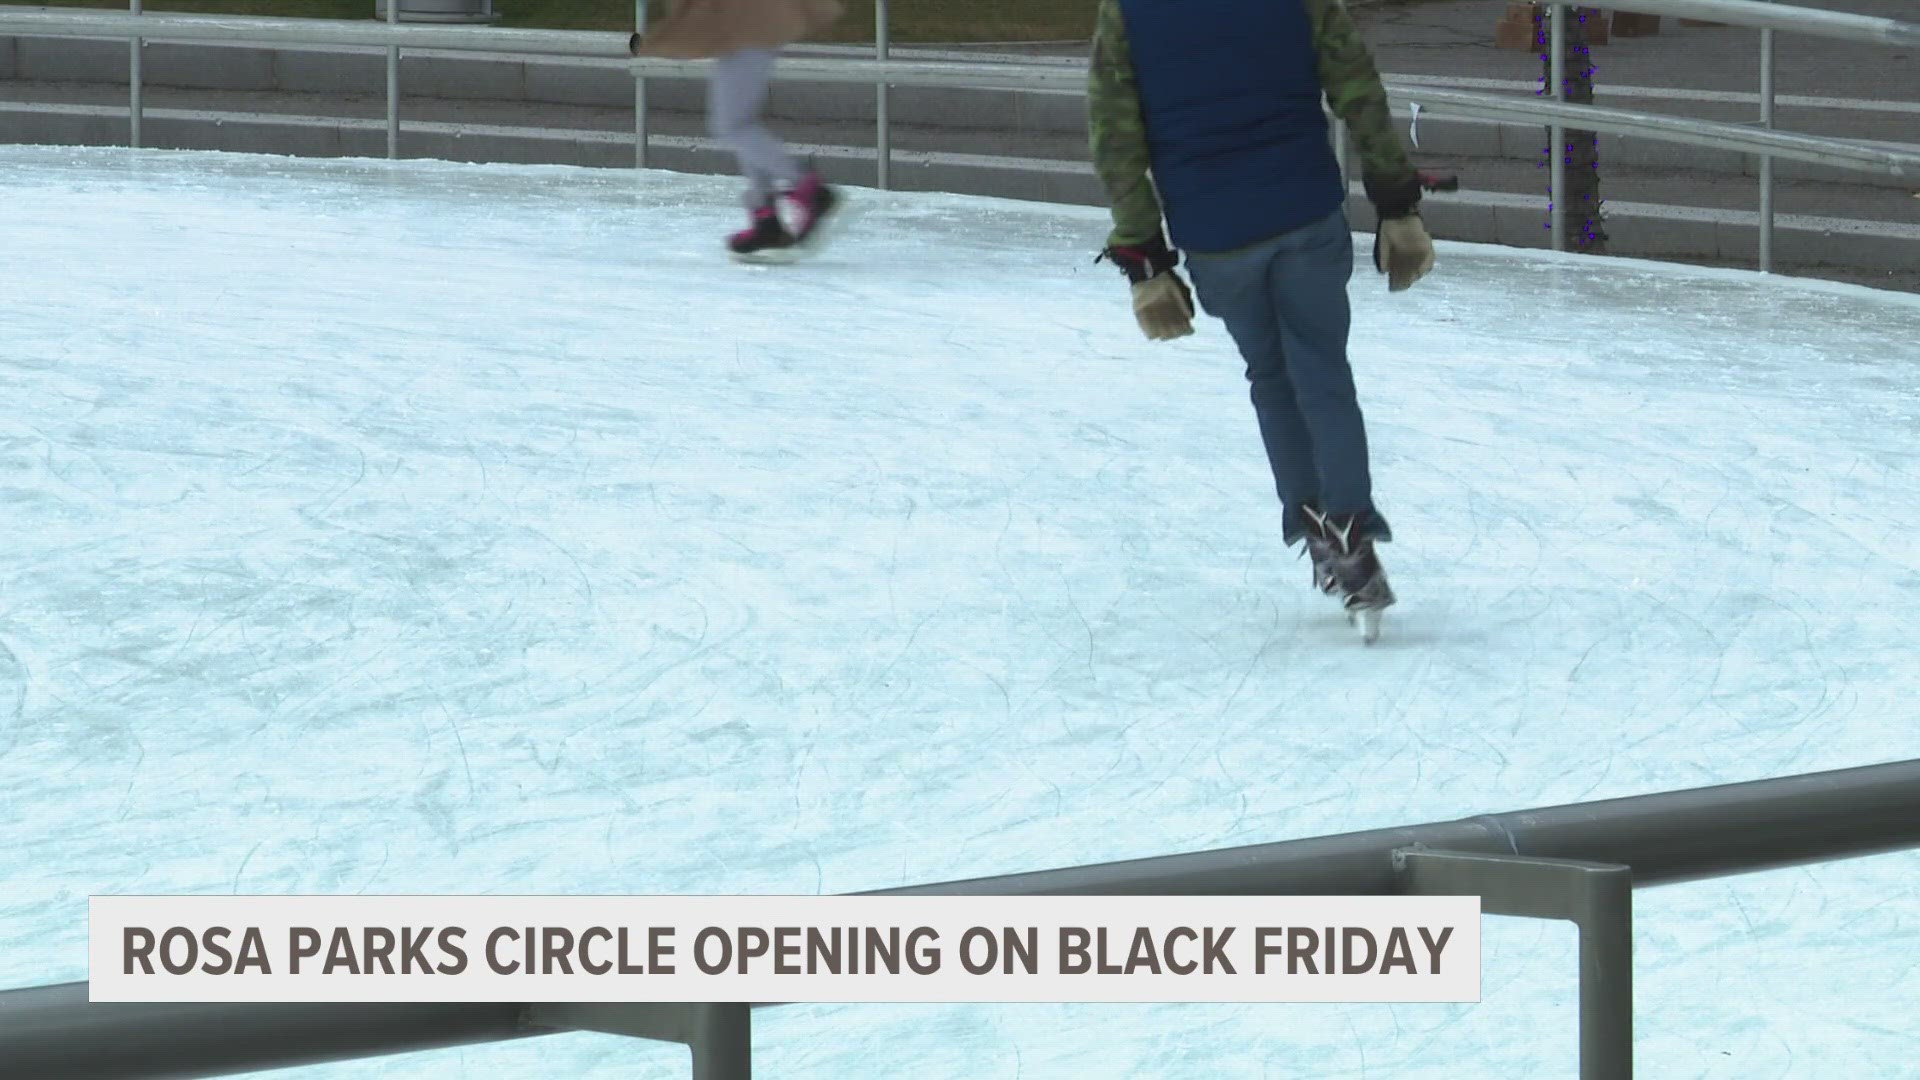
(1284, 300)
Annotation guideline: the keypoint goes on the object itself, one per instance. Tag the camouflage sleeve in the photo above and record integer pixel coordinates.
(1353, 88)
(1117, 132)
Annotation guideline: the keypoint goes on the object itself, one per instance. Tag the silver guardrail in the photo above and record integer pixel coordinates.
(1578, 863)
(1766, 15)
(884, 70)
(1578, 858)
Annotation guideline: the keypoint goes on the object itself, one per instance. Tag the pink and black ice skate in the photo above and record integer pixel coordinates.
(792, 225)
(808, 211)
(764, 234)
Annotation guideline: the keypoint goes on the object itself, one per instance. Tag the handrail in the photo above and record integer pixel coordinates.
(1025, 75)
(1840, 153)
(1764, 15)
(1669, 838)
(1734, 828)
(275, 30)
(1811, 22)
(54, 1031)
(1665, 838)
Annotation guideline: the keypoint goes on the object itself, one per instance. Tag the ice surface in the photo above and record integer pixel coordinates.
(442, 528)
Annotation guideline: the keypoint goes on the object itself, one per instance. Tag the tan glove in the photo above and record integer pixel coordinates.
(1402, 250)
(1163, 307)
(1162, 303)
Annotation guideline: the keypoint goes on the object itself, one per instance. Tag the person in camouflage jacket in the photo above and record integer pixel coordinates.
(1206, 121)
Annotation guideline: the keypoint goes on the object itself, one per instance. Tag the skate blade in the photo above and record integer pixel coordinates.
(769, 257)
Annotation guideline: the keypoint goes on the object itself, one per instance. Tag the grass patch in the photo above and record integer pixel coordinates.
(912, 21)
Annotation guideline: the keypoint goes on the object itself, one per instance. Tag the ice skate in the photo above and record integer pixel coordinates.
(793, 225)
(1349, 566)
(810, 212)
(764, 239)
(1322, 553)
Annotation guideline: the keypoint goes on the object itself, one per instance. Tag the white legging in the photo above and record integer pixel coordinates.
(736, 92)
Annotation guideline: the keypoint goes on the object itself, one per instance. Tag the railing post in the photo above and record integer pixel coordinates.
(1596, 897)
(640, 92)
(1603, 910)
(136, 79)
(883, 133)
(722, 1042)
(720, 1035)
(1766, 160)
(393, 84)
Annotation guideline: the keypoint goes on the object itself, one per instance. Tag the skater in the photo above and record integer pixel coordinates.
(1212, 115)
(786, 202)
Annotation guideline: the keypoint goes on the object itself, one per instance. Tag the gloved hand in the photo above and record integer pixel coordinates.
(1402, 250)
(1162, 303)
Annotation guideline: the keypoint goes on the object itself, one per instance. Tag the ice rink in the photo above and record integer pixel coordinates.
(417, 527)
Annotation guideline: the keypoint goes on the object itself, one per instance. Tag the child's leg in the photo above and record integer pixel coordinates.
(736, 92)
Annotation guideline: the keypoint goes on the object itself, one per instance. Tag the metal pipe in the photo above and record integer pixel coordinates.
(136, 83)
(640, 139)
(947, 73)
(883, 135)
(1810, 22)
(54, 1031)
(1557, 162)
(1841, 153)
(1766, 160)
(1597, 897)
(393, 84)
(722, 1042)
(1838, 153)
(1604, 913)
(1667, 838)
(262, 30)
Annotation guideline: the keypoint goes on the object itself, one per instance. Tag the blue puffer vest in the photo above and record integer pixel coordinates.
(1231, 92)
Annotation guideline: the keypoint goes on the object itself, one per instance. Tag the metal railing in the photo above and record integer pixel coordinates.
(885, 70)
(1572, 862)
(1769, 18)
(1578, 862)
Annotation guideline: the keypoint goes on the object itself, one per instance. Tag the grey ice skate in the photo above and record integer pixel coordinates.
(1322, 552)
(1347, 566)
